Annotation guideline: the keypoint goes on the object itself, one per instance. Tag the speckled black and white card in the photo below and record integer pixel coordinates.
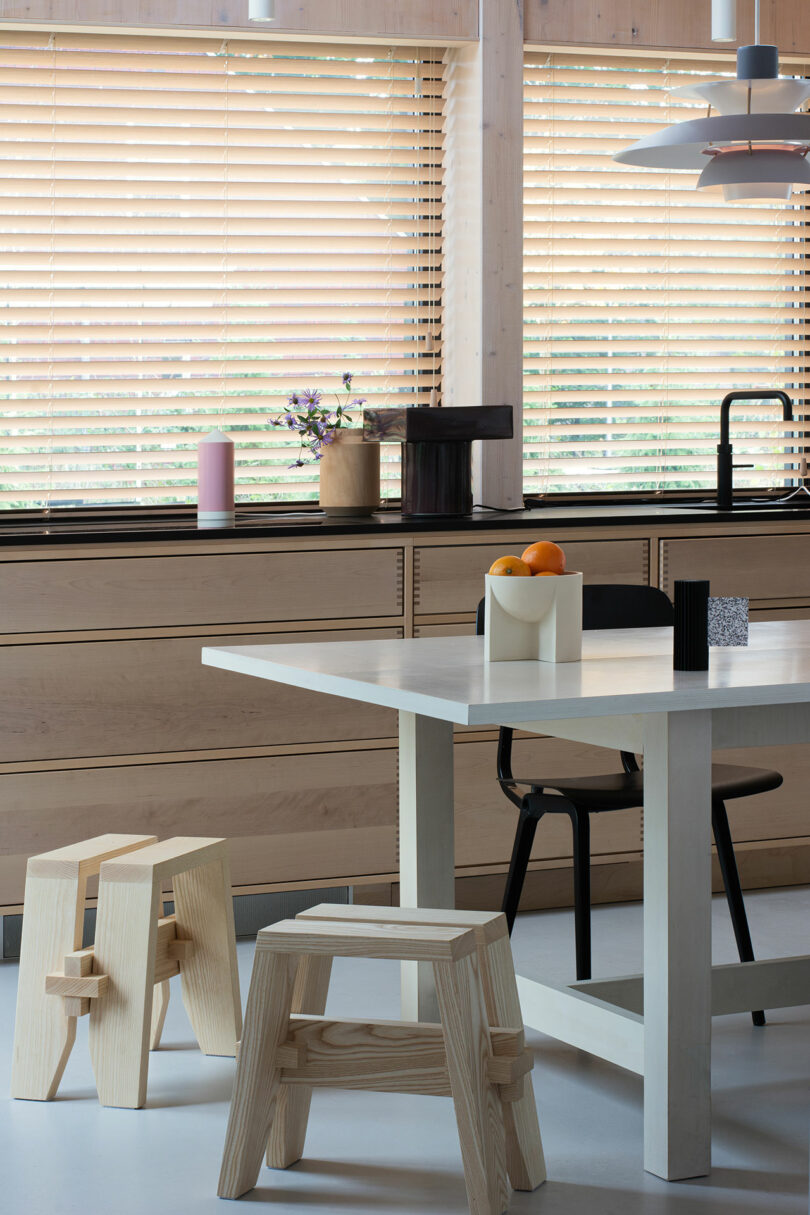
(728, 621)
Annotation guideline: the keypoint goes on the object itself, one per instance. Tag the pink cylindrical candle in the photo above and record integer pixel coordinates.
(215, 460)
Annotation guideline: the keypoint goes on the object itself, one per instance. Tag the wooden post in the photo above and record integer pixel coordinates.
(483, 242)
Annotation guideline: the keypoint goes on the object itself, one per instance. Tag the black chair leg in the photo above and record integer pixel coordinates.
(731, 882)
(581, 824)
(521, 851)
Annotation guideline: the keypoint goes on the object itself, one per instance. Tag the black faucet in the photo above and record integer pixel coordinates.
(724, 464)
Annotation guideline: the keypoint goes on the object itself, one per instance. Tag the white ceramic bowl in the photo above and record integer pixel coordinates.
(534, 618)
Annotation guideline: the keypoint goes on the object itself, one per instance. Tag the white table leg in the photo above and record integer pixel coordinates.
(677, 944)
(426, 848)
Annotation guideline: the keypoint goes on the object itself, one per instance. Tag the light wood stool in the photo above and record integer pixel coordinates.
(122, 980)
(476, 1055)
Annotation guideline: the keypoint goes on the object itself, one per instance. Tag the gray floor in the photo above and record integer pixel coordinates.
(375, 1153)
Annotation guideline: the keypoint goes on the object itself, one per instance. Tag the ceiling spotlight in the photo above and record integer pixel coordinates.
(724, 20)
(262, 10)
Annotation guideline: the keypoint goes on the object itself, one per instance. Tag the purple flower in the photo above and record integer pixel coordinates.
(293, 399)
(296, 464)
(310, 397)
(328, 437)
(358, 402)
(347, 380)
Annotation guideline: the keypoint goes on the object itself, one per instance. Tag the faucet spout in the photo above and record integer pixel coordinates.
(724, 449)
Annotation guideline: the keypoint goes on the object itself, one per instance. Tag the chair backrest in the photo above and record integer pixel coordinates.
(614, 606)
(620, 606)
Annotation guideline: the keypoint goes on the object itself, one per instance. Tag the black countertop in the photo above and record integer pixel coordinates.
(33, 528)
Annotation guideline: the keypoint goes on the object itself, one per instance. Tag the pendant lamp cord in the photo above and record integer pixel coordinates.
(756, 21)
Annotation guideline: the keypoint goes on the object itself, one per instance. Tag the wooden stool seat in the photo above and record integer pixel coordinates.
(122, 980)
(476, 1055)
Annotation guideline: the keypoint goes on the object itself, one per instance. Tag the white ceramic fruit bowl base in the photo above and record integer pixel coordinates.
(533, 618)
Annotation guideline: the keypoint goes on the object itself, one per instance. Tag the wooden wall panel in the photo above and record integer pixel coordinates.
(97, 698)
(137, 592)
(658, 24)
(625, 23)
(451, 578)
(449, 19)
(289, 817)
(759, 567)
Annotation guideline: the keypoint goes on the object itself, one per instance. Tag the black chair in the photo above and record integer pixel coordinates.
(615, 607)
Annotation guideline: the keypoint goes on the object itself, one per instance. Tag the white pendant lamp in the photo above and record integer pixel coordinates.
(262, 10)
(755, 146)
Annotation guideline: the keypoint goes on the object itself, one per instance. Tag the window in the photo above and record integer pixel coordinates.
(191, 229)
(647, 301)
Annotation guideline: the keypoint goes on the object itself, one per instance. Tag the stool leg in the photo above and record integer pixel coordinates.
(203, 909)
(160, 1006)
(124, 949)
(478, 1107)
(524, 1146)
(267, 1019)
(43, 1035)
(289, 1129)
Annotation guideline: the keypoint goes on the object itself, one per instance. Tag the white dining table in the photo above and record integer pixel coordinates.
(623, 694)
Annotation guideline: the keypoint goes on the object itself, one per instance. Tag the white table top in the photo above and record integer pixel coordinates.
(622, 671)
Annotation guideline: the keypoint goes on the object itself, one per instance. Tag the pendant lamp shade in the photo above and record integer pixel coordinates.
(766, 173)
(682, 146)
(755, 145)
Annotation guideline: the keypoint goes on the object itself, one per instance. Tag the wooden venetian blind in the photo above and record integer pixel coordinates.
(190, 230)
(647, 300)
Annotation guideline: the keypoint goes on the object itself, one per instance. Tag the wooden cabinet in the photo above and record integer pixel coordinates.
(109, 721)
(450, 578)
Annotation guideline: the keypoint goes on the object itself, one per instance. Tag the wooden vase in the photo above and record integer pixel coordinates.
(350, 475)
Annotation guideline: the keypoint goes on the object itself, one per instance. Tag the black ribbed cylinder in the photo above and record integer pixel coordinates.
(757, 62)
(437, 478)
(691, 635)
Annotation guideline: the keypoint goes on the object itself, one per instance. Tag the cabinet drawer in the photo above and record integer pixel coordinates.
(72, 699)
(289, 818)
(451, 579)
(142, 592)
(758, 567)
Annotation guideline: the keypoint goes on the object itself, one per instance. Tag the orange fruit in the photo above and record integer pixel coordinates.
(510, 566)
(547, 574)
(544, 557)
